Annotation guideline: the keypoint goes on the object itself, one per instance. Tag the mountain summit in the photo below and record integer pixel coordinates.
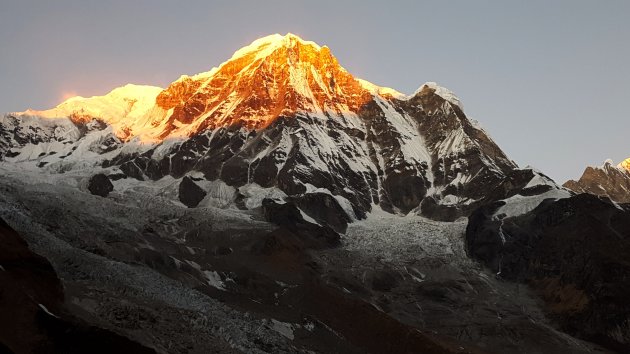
(282, 115)
(273, 76)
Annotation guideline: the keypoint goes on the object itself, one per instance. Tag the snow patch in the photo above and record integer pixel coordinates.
(214, 279)
(41, 306)
(285, 329)
(519, 205)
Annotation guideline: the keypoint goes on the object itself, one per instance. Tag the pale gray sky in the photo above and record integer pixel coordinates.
(548, 79)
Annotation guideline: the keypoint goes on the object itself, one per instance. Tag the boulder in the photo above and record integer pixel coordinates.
(100, 185)
(190, 194)
(325, 209)
(288, 216)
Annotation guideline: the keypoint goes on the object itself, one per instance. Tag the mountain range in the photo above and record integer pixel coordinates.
(276, 203)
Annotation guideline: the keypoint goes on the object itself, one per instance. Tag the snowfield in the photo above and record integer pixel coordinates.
(400, 240)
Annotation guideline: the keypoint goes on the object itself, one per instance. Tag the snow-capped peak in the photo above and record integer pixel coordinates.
(271, 77)
(259, 48)
(265, 45)
(276, 75)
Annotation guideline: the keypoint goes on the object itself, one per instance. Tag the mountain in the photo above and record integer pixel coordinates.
(281, 113)
(606, 180)
(277, 203)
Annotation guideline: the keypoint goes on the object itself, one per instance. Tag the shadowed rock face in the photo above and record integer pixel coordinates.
(608, 180)
(574, 253)
(371, 162)
(288, 216)
(33, 318)
(100, 185)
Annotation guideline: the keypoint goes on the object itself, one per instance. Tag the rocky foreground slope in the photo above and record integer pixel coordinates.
(573, 252)
(199, 280)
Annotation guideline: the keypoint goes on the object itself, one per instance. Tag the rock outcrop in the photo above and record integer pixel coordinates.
(573, 252)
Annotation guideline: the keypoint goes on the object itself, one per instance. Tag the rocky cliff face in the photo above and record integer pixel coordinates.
(607, 180)
(573, 253)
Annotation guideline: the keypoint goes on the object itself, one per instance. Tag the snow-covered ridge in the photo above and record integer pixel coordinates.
(382, 91)
(271, 43)
(130, 100)
(320, 83)
(608, 179)
(281, 113)
(522, 204)
(125, 108)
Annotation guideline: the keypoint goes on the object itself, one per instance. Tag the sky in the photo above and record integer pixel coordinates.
(549, 80)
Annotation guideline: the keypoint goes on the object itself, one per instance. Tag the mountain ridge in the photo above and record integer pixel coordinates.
(186, 86)
(609, 180)
(282, 114)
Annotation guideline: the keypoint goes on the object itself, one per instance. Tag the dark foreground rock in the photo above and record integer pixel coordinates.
(574, 253)
(100, 185)
(288, 216)
(190, 194)
(33, 318)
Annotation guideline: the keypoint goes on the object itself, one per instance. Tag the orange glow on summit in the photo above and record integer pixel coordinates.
(66, 95)
(625, 164)
(272, 77)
